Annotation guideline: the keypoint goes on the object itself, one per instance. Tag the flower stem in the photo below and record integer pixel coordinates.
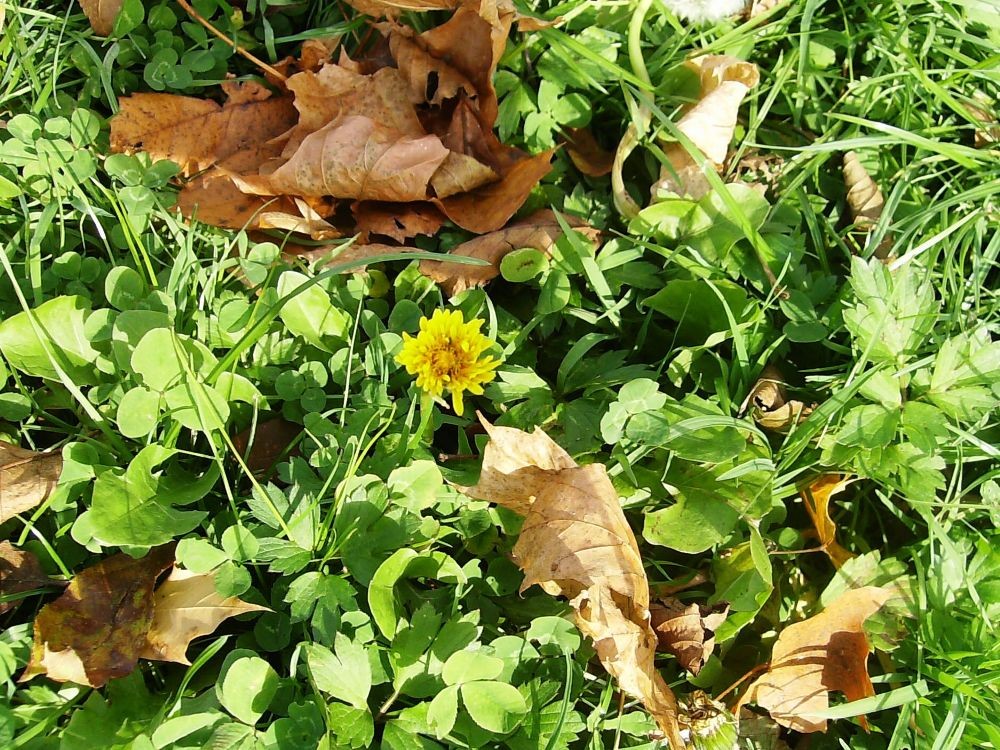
(426, 427)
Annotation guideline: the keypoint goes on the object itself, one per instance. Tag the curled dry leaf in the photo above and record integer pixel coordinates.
(864, 198)
(540, 231)
(769, 404)
(26, 478)
(587, 154)
(490, 207)
(19, 572)
(430, 79)
(575, 542)
(101, 14)
(96, 629)
(816, 497)
(709, 123)
(197, 133)
(687, 630)
(813, 657)
(186, 606)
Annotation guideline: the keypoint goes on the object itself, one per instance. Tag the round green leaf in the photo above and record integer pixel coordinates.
(247, 688)
(138, 412)
(469, 666)
(495, 706)
(523, 264)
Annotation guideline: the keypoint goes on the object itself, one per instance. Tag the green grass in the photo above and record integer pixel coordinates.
(893, 81)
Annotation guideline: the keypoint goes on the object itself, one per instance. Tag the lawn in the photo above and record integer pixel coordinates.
(475, 374)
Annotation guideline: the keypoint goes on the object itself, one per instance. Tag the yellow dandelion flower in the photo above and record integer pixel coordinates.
(447, 353)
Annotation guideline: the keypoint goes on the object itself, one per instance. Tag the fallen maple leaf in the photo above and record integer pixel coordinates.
(539, 231)
(575, 542)
(709, 123)
(587, 154)
(101, 14)
(197, 133)
(186, 606)
(491, 206)
(398, 221)
(813, 657)
(19, 572)
(26, 478)
(816, 497)
(96, 629)
(769, 404)
(687, 630)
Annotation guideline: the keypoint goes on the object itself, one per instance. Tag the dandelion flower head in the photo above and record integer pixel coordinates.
(447, 354)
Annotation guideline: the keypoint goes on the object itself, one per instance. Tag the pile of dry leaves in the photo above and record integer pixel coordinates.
(388, 146)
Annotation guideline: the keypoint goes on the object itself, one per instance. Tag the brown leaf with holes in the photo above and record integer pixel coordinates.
(540, 231)
(101, 14)
(95, 631)
(197, 133)
(26, 478)
(814, 657)
(575, 542)
(187, 606)
(336, 92)
(769, 404)
(19, 572)
(488, 208)
(816, 497)
(430, 79)
(709, 123)
(587, 154)
(398, 221)
(687, 630)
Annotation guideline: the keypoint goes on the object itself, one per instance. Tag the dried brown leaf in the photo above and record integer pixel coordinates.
(575, 542)
(816, 497)
(458, 174)
(430, 79)
(186, 606)
(983, 111)
(816, 656)
(393, 8)
(769, 404)
(399, 221)
(355, 157)
(96, 629)
(262, 445)
(541, 230)
(587, 154)
(26, 478)
(864, 197)
(335, 92)
(19, 572)
(101, 14)
(196, 133)
(214, 198)
(709, 124)
(687, 630)
(490, 207)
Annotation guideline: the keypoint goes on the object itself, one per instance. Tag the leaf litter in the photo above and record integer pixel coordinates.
(404, 136)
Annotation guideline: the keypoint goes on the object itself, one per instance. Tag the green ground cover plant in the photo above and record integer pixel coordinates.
(231, 518)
